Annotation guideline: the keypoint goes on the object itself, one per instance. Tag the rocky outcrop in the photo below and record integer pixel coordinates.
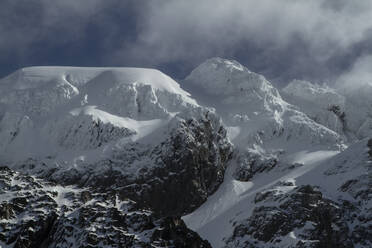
(37, 213)
(173, 232)
(190, 171)
(369, 144)
(336, 109)
(249, 164)
(306, 216)
(109, 205)
(172, 178)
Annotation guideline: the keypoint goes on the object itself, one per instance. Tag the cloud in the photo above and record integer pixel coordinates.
(68, 32)
(283, 39)
(358, 75)
(26, 22)
(304, 33)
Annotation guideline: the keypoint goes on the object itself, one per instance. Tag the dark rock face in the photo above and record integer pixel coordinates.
(317, 221)
(173, 232)
(48, 215)
(180, 173)
(110, 204)
(340, 115)
(28, 211)
(369, 144)
(6, 211)
(190, 171)
(251, 164)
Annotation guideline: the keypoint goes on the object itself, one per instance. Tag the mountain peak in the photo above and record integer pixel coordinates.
(220, 63)
(222, 77)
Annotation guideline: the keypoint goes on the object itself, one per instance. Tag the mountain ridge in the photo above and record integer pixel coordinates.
(225, 148)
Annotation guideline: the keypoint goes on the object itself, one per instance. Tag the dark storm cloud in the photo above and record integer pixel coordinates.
(283, 39)
(63, 32)
(26, 22)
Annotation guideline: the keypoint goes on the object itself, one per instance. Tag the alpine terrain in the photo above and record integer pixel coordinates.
(128, 157)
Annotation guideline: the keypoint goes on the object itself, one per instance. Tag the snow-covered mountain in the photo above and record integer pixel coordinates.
(83, 108)
(346, 109)
(321, 103)
(133, 132)
(113, 157)
(263, 127)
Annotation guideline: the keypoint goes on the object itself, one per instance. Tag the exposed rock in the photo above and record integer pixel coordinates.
(50, 215)
(315, 220)
(369, 144)
(192, 169)
(6, 211)
(174, 233)
(250, 164)
(172, 178)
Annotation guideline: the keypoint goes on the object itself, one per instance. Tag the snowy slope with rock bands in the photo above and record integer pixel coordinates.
(264, 127)
(114, 157)
(273, 194)
(328, 206)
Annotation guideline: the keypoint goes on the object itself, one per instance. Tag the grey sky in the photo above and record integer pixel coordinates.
(318, 40)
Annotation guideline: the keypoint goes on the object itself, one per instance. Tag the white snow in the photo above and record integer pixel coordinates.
(315, 101)
(61, 109)
(317, 161)
(353, 100)
(259, 121)
(142, 128)
(76, 116)
(35, 77)
(253, 109)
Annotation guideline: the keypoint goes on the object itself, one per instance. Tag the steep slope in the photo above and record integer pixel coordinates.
(320, 102)
(358, 113)
(344, 109)
(329, 206)
(130, 131)
(263, 126)
(38, 213)
(278, 190)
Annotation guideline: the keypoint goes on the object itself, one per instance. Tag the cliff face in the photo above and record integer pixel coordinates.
(37, 213)
(104, 157)
(107, 207)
